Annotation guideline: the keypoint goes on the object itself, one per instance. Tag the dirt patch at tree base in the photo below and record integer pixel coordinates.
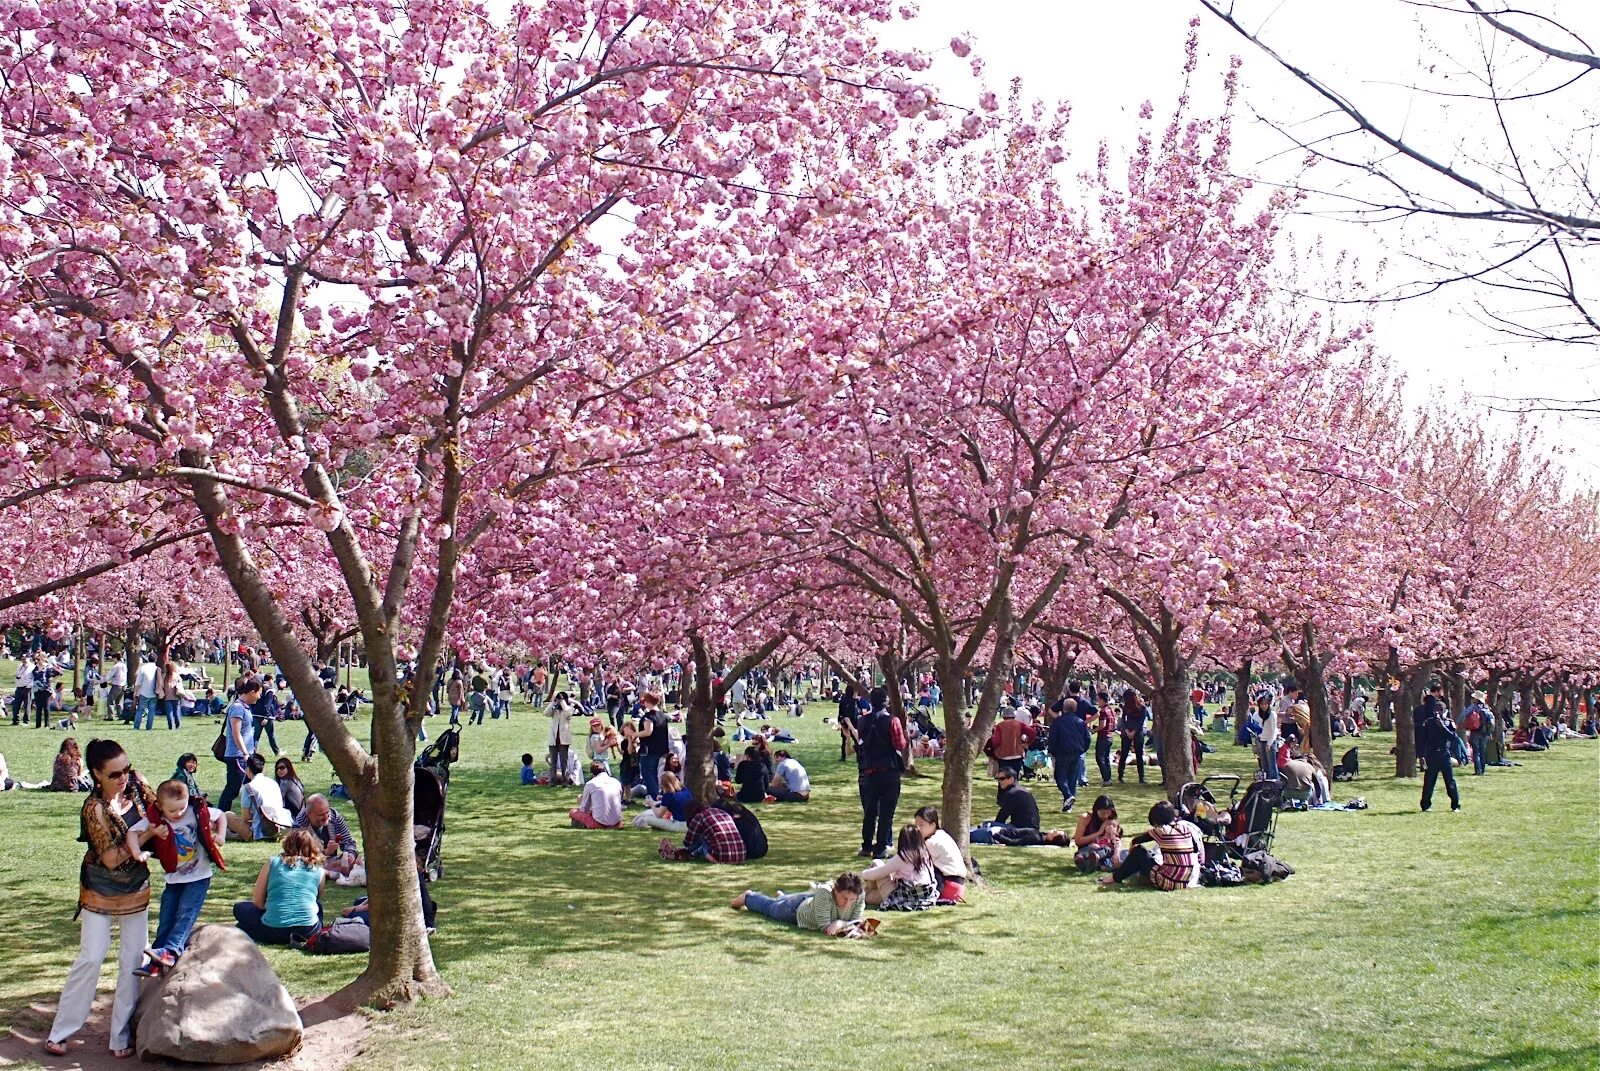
(335, 1036)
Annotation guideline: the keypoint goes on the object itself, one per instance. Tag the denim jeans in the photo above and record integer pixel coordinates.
(1136, 745)
(984, 834)
(267, 726)
(650, 772)
(1102, 758)
(1480, 751)
(777, 908)
(144, 715)
(180, 910)
(168, 708)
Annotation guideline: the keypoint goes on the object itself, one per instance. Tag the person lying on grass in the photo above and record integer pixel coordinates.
(830, 906)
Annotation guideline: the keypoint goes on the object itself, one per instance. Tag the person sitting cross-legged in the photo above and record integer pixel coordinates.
(340, 853)
(1018, 810)
(600, 805)
(790, 782)
(711, 836)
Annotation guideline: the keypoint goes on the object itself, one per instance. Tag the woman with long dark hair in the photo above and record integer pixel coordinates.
(113, 892)
(906, 881)
(1098, 838)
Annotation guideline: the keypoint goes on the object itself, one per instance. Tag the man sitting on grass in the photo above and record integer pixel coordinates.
(790, 782)
(712, 836)
(600, 805)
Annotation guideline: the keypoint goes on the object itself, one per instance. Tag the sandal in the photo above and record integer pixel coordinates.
(55, 1048)
(122, 1054)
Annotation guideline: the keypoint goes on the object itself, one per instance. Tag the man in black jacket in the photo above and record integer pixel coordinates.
(1068, 742)
(1436, 745)
(1018, 808)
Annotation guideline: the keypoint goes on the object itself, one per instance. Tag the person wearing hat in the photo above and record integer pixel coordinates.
(1010, 741)
(1478, 721)
(601, 740)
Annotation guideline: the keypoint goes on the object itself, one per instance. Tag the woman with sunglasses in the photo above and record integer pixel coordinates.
(113, 891)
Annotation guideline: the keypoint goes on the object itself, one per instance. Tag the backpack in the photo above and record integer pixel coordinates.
(1262, 868)
(1473, 722)
(340, 937)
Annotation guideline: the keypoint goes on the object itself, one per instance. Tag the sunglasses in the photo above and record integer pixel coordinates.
(117, 775)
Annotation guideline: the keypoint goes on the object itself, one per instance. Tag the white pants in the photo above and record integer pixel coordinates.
(77, 997)
(647, 820)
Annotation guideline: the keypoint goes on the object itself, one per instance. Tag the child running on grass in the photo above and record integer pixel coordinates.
(830, 906)
(186, 842)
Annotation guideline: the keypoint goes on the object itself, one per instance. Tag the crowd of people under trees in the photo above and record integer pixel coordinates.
(632, 755)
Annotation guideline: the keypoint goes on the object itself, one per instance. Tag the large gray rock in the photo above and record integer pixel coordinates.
(222, 1004)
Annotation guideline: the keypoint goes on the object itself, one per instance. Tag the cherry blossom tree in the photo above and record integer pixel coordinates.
(280, 262)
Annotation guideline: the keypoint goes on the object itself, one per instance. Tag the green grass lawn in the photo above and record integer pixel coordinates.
(1405, 940)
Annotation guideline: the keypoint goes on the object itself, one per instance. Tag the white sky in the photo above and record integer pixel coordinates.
(1107, 58)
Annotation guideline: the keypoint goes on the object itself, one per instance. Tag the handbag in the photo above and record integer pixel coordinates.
(219, 747)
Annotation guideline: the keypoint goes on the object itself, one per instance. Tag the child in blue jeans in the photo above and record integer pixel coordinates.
(186, 840)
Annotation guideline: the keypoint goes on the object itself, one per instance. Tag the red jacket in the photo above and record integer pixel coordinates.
(167, 846)
(1011, 738)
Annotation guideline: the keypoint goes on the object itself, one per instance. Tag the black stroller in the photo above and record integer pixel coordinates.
(1197, 803)
(430, 787)
(1255, 820)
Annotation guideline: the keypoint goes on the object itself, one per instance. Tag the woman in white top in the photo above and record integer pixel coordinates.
(560, 713)
(943, 853)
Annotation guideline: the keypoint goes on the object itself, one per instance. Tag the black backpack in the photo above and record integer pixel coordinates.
(1263, 867)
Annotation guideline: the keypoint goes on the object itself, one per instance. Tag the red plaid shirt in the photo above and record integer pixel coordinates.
(716, 830)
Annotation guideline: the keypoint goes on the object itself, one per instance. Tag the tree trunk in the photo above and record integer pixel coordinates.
(1321, 724)
(400, 967)
(1171, 707)
(1386, 711)
(1457, 690)
(699, 771)
(889, 664)
(1347, 696)
(1241, 700)
(130, 651)
(955, 794)
(1405, 743)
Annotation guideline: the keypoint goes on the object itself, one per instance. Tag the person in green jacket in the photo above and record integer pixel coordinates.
(829, 906)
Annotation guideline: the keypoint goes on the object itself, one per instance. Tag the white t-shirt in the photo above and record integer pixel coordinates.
(25, 675)
(794, 775)
(192, 862)
(144, 681)
(263, 794)
(117, 677)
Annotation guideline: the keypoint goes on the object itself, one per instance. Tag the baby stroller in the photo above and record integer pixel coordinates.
(438, 755)
(1255, 820)
(430, 787)
(1198, 804)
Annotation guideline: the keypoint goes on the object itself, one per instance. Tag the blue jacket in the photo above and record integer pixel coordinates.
(1068, 735)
